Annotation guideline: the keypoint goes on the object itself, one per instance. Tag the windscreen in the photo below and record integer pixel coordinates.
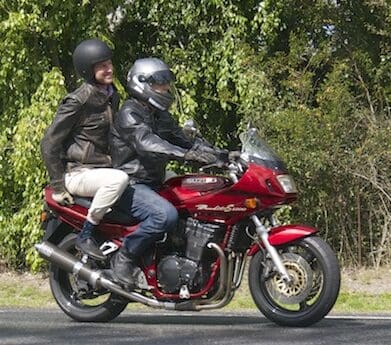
(256, 150)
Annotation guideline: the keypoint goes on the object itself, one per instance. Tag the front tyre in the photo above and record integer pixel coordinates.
(77, 298)
(315, 274)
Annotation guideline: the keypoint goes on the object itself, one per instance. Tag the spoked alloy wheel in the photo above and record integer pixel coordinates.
(77, 298)
(311, 294)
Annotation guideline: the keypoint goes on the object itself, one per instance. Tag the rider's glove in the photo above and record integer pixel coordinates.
(63, 198)
(200, 156)
(234, 155)
(223, 155)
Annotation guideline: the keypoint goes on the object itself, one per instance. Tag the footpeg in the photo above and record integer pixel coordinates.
(141, 281)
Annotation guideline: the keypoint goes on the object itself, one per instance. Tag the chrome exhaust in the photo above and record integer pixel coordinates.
(223, 294)
(228, 294)
(70, 264)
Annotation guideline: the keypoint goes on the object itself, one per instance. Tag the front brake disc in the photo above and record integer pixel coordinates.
(299, 288)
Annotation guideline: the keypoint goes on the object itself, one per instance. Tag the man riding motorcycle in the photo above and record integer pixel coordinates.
(144, 138)
(75, 148)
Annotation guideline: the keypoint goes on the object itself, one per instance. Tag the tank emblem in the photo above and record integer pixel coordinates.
(200, 180)
(217, 208)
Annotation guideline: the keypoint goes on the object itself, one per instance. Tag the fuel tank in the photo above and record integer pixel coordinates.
(182, 188)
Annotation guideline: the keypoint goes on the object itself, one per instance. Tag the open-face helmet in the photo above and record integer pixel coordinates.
(87, 54)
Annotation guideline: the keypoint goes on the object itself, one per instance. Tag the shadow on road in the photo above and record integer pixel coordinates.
(218, 319)
(191, 319)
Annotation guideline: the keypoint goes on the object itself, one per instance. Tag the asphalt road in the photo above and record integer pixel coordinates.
(31, 326)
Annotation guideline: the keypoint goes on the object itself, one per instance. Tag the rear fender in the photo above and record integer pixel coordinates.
(284, 234)
(55, 230)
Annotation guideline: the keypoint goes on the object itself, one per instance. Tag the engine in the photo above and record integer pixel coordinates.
(191, 268)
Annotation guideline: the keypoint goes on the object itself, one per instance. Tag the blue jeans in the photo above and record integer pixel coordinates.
(156, 215)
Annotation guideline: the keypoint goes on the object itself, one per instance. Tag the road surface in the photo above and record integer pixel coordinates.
(51, 326)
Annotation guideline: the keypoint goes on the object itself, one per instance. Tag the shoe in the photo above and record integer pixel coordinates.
(90, 247)
(126, 271)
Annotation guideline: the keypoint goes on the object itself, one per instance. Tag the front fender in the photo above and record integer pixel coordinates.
(283, 234)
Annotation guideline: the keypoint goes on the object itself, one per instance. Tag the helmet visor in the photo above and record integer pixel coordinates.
(161, 77)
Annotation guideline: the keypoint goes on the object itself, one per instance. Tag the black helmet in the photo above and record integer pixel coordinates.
(143, 74)
(87, 54)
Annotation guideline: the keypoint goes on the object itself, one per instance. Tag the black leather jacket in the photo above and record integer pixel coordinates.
(79, 133)
(144, 140)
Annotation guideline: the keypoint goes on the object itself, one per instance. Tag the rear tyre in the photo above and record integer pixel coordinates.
(77, 298)
(314, 289)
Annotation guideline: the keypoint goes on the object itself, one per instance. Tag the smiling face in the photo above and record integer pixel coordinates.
(104, 72)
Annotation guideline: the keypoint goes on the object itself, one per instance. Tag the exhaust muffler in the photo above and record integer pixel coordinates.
(68, 262)
(71, 264)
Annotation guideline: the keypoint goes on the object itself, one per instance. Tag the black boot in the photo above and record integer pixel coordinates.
(86, 243)
(126, 271)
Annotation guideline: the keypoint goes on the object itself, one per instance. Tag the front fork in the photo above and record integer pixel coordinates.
(263, 234)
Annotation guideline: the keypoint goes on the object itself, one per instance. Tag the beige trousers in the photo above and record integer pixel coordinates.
(104, 185)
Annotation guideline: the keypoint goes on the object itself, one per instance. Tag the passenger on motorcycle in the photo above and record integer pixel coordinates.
(145, 137)
(75, 148)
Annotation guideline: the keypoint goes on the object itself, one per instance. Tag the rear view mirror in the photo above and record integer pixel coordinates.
(190, 129)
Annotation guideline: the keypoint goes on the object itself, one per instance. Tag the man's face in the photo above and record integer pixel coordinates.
(104, 72)
(161, 88)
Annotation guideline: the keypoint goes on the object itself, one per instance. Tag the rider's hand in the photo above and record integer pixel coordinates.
(234, 155)
(200, 156)
(63, 198)
(222, 155)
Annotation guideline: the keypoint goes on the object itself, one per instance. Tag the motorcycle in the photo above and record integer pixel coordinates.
(226, 218)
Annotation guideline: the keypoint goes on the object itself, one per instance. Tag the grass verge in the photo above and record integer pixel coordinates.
(358, 295)
(347, 302)
(25, 290)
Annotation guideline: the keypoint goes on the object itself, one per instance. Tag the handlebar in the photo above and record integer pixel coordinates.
(232, 162)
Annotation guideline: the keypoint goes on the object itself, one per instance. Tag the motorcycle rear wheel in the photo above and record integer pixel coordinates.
(77, 298)
(315, 274)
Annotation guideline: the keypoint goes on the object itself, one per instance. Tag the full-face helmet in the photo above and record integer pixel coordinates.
(144, 75)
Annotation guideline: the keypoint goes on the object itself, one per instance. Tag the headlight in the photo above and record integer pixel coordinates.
(287, 183)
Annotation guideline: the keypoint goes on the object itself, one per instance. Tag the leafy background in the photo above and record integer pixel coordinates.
(312, 76)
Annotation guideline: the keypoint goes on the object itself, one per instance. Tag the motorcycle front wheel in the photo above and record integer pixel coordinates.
(313, 290)
(76, 297)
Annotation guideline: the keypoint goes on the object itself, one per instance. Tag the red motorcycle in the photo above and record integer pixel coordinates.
(224, 219)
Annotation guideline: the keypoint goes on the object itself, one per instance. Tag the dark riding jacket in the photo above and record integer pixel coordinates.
(79, 133)
(144, 140)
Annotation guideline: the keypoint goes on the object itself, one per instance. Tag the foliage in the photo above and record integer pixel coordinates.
(332, 120)
(37, 38)
(20, 229)
(313, 76)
